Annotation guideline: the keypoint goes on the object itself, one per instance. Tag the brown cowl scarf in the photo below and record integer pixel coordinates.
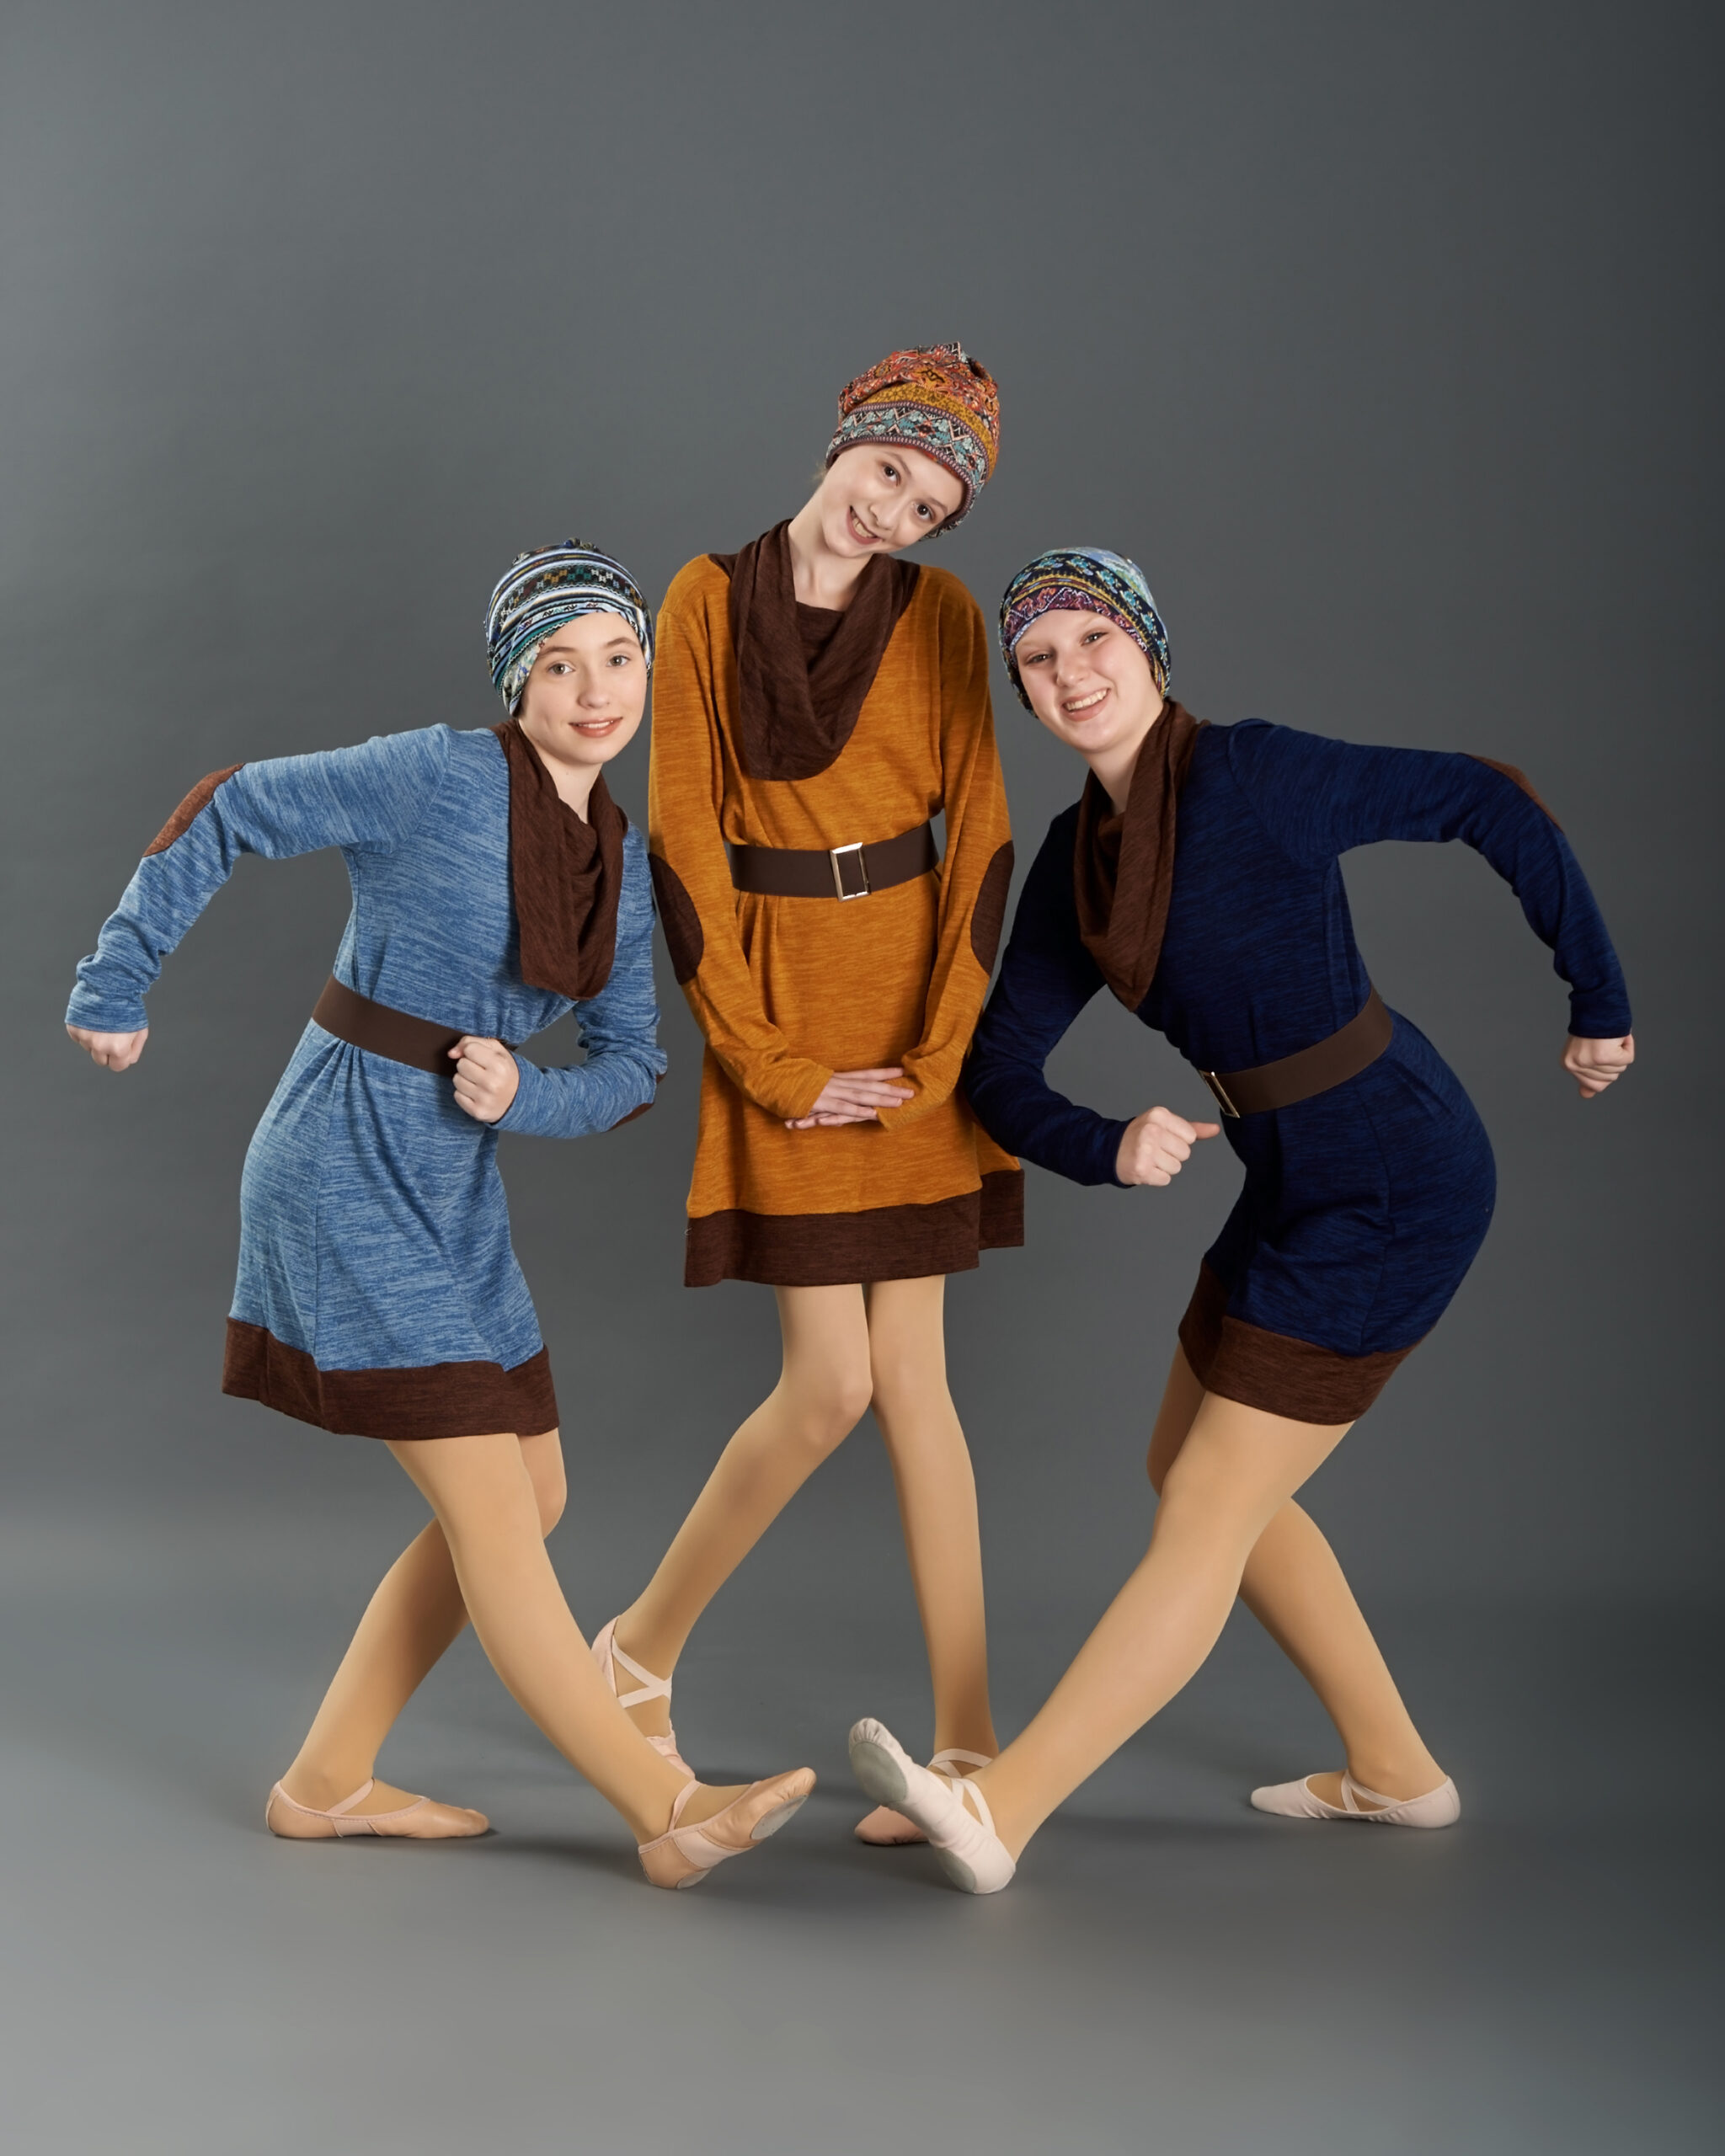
(1123, 863)
(793, 718)
(566, 875)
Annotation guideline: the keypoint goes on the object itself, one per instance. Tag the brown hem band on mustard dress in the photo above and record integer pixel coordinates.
(788, 727)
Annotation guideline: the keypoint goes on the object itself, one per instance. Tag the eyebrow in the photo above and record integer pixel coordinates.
(611, 643)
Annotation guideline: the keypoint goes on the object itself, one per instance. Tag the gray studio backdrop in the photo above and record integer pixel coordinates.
(1385, 338)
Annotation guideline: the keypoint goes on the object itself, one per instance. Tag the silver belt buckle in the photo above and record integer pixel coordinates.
(838, 873)
(1220, 1092)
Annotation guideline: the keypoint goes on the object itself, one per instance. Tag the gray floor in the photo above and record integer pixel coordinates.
(1170, 1972)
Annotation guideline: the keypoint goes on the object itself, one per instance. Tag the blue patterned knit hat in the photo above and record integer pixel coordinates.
(544, 591)
(1084, 580)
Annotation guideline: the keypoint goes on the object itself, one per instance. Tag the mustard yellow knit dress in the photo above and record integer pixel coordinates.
(788, 989)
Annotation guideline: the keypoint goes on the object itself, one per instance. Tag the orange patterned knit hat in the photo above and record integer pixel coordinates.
(931, 397)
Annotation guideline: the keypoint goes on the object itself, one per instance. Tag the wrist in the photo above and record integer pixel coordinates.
(514, 1099)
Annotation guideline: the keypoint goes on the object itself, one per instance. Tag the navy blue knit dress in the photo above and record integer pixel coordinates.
(1363, 1206)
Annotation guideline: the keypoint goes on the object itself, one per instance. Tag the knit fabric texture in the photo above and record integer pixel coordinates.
(544, 591)
(931, 397)
(786, 991)
(1363, 1206)
(1084, 580)
(374, 1227)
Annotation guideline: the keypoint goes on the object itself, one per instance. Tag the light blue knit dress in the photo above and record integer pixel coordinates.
(378, 1292)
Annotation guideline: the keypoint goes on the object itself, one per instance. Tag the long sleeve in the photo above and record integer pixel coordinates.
(619, 1031)
(363, 799)
(696, 898)
(1046, 978)
(1317, 798)
(977, 870)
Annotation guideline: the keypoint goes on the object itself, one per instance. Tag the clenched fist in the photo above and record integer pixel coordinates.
(112, 1051)
(1157, 1144)
(487, 1077)
(1595, 1064)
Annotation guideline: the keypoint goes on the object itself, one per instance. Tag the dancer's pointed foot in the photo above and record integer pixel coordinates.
(374, 1808)
(642, 1705)
(884, 1829)
(703, 1833)
(1311, 1799)
(953, 1815)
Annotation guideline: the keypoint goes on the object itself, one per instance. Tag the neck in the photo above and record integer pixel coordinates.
(574, 784)
(820, 577)
(1114, 765)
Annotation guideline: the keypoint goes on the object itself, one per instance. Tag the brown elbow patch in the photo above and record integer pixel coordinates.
(988, 916)
(678, 918)
(1516, 777)
(633, 1113)
(184, 816)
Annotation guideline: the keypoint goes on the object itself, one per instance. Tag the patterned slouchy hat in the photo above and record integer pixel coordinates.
(1084, 580)
(930, 397)
(544, 591)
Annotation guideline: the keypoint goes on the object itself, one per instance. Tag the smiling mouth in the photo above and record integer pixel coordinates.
(596, 728)
(860, 531)
(1081, 707)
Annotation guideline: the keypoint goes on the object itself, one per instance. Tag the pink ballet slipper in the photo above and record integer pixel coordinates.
(682, 1856)
(1438, 1807)
(610, 1655)
(422, 1820)
(884, 1828)
(971, 1854)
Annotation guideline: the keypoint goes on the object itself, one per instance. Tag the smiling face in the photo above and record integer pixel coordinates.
(877, 500)
(1089, 683)
(584, 699)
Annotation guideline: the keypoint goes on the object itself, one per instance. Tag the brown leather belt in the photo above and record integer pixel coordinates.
(835, 872)
(1312, 1071)
(374, 1027)
(361, 1023)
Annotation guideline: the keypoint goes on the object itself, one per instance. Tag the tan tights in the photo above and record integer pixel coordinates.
(844, 1349)
(1226, 1524)
(494, 1498)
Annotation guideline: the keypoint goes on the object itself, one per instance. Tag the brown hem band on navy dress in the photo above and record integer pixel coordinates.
(1273, 1371)
(439, 1399)
(832, 1250)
